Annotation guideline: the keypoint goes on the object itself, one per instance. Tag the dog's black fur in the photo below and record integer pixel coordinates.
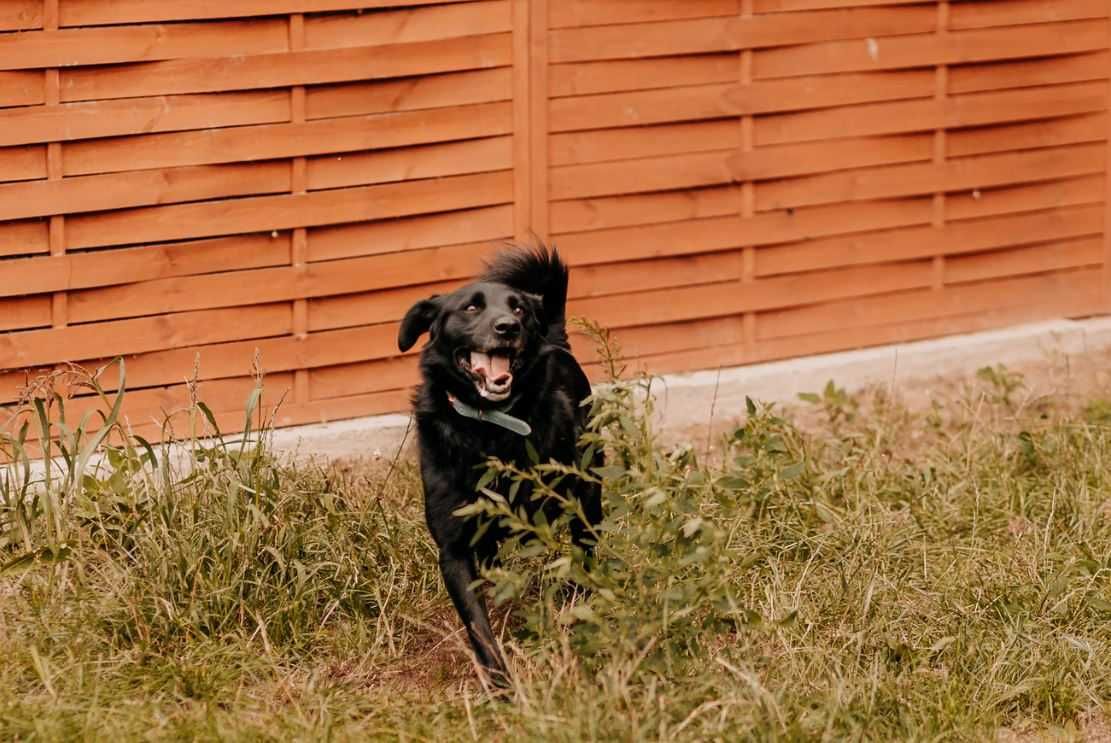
(517, 309)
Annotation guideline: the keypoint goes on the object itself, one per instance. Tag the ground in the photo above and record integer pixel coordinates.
(931, 562)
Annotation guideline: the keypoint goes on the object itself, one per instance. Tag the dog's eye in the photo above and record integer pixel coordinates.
(518, 310)
(471, 308)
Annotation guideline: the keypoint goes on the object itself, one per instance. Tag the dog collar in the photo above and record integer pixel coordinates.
(497, 416)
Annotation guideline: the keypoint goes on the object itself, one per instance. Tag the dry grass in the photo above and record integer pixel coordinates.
(884, 570)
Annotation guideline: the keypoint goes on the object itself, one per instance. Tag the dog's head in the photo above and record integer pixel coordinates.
(482, 338)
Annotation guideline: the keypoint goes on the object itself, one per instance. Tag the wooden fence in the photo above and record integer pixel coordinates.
(732, 180)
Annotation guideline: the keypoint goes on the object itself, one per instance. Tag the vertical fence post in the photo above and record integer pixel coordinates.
(59, 309)
(538, 117)
(748, 187)
(1105, 298)
(299, 240)
(522, 134)
(941, 89)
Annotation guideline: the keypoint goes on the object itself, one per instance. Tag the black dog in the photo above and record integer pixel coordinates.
(497, 372)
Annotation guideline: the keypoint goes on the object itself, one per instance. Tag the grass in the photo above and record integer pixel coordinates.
(870, 572)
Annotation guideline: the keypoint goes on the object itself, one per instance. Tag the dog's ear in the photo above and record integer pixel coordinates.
(418, 320)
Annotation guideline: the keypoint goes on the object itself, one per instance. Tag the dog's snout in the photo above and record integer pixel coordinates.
(507, 327)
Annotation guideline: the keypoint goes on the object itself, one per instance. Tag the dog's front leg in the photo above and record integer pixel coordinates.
(459, 575)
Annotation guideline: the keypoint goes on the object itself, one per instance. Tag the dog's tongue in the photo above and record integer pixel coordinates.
(493, 366)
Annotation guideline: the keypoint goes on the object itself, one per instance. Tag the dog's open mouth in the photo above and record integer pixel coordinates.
(490, 371)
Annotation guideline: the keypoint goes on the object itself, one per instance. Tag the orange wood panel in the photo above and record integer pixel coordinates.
(206, 219)
(24, 312)
(24, 237)
(1012, 199)
(585, 78)
(140, 188)
(409, 94)
(982, 171)
(1045, 133)
(957, 47)
(99, 340)
(1044, 258)
(626, 143)
(411, 163)
(364, 376)
(975, 109)
(711, 101)
(956, 237)
(70, 121)
(1015, 12)
(695, 36)
(104, 12)
(604, 12)
(427, 23)
(644, 174)
(308, 67)
(1068, 68)
(20, 15)
(239, 143)
(22, 88)
(22, 163)
(488, 224)
(125, 265)
(276, 284)
(135, 43)
(965, 299)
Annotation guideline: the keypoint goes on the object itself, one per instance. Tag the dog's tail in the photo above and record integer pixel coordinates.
(537, 270)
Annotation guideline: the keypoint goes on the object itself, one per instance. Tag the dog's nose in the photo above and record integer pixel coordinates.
(507, 327)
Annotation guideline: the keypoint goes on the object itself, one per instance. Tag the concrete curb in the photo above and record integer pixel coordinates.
(689, 399)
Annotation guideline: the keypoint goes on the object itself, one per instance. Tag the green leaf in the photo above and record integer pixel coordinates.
(809, 397)
(533, 455)
(609, 472)
(750, 406)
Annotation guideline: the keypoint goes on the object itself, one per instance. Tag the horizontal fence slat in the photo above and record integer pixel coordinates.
(428, 23)
(953, 238)
(586, 78)
(968, 173)
(22, 163)
(21, 88)
(409, 94)
(97, 46)
(1014, 12)
(207, 219)
(1069, 68)
(268, 141)
(1048, 133)
(1036, 259)
(725, 298)
(106, 12)
(729, 34)
(490, 223)
(567, 13)
(125, 265)
(958, 47)
(277, 284)
(24, 237)
(711, 101)
(923, 305)
(69, 121)
(1009, 200)
(625, 143)
(99, 340)
(141, 188)
(976, 109)
(308, 67)
(20, 15)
